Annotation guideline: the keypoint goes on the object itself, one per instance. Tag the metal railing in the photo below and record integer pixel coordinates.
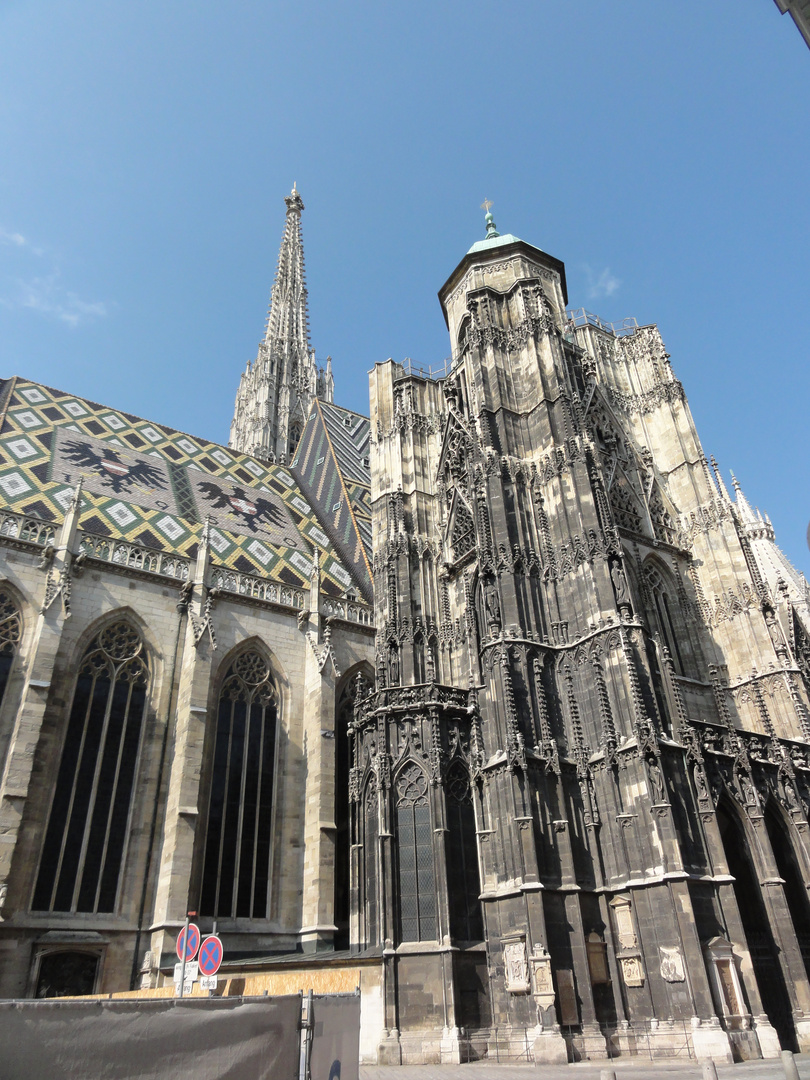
(582, 317)
(440, 371)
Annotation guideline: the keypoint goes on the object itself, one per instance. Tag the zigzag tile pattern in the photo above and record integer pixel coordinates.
(151, 485)
(329, 466)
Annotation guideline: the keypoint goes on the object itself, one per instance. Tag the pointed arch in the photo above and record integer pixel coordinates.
(345, 697)
(463, 877)
(782, 835)
(11, 632)
(236, 858)
(368, 885)
(88, 826)
(666, 616)
(416, 879)
(739, 846)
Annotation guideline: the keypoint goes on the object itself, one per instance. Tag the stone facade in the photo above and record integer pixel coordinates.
(590, 708)
(496, 703)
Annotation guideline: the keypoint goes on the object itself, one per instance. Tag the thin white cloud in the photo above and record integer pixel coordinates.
(46, 296)
(15, 238)
(601, 283)
(42, 292)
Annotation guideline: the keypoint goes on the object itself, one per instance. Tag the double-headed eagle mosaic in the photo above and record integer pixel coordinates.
(251, 511)
(114, 473)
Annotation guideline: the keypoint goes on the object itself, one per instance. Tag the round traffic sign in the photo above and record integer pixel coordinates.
(210, 955)
(192, 944)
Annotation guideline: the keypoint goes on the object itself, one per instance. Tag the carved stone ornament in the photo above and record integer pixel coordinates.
(672, 965)
(632, 971)
(542, 982)
(516, 968)
(625, 930)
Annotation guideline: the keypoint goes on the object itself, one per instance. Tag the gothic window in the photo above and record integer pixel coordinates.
(417, 893)
(666, 614)
(10, 634)
(236, 867)
(344, 714)
(295, 436)
(84, 843)
(371, 833)
(464, 882)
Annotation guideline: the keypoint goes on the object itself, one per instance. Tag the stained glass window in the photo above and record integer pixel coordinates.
(89, 820)
(417, 892)
(236, 869)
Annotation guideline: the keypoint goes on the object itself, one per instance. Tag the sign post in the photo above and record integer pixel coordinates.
(209, 960)
(187, 944)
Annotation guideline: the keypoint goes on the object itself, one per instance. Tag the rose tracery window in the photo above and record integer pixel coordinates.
(86, 836)
(417, 891)
(10, 634)
(236, 868)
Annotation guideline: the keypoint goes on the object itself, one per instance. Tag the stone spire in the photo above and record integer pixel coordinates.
(276, 391)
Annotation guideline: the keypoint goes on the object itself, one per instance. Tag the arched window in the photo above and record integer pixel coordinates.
(236, 869)
(665, 612)
(344, 714)
(417, 891)
(294, 438)
(369, 881)
(466, 923)
(87, 830)
(10, 634)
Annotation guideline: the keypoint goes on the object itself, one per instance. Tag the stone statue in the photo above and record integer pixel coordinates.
(492, 604)
(657, 784)
(700, 784)
(620, 586)
(393, 667)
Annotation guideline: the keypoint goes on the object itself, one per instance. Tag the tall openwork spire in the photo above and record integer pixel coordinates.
(276, 391)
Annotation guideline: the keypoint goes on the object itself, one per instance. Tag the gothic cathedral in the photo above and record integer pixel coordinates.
(493, 703)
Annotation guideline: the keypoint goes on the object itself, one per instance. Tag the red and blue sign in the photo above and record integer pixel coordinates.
(191, 942)
(210, 955)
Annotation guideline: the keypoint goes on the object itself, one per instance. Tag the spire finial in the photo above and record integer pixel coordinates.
(492, 230)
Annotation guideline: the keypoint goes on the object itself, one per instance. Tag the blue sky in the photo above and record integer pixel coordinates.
(661, 150)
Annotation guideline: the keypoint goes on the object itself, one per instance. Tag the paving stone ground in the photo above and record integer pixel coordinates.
(635, 1069)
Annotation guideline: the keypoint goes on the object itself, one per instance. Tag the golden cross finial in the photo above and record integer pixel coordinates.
(486, 204)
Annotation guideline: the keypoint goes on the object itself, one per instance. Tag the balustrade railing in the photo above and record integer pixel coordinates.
(349, 610)
(134, 556)
(233, 581)
(20, 527)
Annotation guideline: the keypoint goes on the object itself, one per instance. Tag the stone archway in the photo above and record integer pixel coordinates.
(756, 925)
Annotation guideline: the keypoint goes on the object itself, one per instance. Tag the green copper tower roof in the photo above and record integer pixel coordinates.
(493, 238)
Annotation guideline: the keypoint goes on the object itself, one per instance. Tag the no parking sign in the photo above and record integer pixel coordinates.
(190, 939)
(210, 955)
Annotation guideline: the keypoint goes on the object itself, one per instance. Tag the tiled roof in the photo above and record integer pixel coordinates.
(330, 466)
(151, 485)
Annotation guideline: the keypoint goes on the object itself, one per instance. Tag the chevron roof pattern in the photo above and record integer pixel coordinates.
(331, 467)
(151, 485)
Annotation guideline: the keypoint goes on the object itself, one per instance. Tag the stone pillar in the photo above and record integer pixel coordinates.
(320, 830)
(61, 565)
(182, 810)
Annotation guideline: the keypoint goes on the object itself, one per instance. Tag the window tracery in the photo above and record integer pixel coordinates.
(86, 837)
(417, 893)
(236, 867)
(10, 636)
